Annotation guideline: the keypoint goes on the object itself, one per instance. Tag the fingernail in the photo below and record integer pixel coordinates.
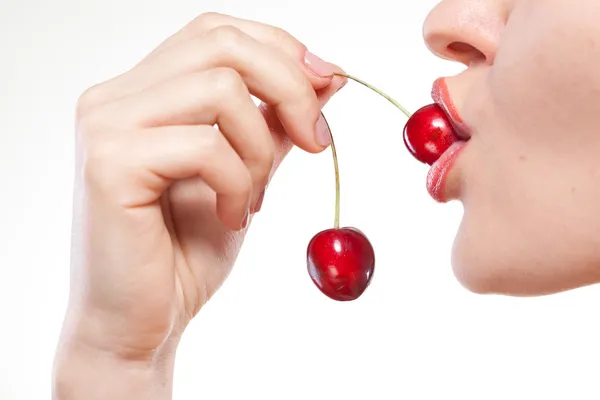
(317, 66)
(246, 219)
(259, 201)
(322, 135)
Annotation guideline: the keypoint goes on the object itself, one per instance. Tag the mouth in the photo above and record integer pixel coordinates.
(441, 96)
(440, 188)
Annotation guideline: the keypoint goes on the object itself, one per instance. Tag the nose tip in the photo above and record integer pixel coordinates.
(466, 31)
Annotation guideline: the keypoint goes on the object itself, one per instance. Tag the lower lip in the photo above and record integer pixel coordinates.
(439, 171)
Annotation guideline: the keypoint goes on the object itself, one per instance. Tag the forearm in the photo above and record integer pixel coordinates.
(84, 373)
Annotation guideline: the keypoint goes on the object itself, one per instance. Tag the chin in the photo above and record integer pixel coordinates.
(497, 267)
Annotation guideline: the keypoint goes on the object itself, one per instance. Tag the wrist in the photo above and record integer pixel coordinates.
(85, 368)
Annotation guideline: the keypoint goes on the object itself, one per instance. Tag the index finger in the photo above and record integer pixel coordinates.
(318, 71)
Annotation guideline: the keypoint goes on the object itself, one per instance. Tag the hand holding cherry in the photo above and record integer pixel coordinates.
(341, 261)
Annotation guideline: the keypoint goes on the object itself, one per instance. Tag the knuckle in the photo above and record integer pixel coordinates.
(109, 172)
(207, 20)
(87, 100)
(211, 141)
(227, 37)
(227, 82)
(104, 163)
(283, 38)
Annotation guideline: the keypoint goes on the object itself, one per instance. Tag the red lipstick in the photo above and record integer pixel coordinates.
(437, 178)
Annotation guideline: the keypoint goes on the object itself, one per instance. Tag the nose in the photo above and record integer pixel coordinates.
(467, 31)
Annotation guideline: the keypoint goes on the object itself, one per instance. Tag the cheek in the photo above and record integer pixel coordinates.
(545, 81)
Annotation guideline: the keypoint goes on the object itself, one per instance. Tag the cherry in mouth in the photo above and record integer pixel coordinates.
(428, 134)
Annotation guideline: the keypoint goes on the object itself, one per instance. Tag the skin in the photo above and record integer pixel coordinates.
(155, 233)
(528, 178)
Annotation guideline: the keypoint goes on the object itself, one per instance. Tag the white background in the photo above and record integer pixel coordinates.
(268, 333)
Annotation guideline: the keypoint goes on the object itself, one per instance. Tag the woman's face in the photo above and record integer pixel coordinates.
(529, 178)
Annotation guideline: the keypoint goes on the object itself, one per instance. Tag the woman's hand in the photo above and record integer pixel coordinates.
(173, 160)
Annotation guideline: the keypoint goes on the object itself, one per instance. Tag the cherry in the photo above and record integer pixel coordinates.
(428, 134)
(340, 261)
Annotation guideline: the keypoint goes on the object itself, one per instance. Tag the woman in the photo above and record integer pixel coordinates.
(151, 248)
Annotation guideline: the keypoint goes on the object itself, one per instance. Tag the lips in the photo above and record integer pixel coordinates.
(441, 96)
(438, 185)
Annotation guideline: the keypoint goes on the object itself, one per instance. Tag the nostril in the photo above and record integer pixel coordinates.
(465, 52)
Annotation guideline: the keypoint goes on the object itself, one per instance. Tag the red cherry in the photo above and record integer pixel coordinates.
(428, 134)
(341, 263)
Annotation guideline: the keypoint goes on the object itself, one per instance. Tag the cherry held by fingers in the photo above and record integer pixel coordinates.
(340, 261)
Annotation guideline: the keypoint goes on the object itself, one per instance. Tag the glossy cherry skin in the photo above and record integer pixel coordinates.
(341, 263)
(428, 133)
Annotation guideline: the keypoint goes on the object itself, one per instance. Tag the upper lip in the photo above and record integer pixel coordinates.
(441, 96)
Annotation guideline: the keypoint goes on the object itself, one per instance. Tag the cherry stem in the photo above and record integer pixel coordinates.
(373, 88)
(336, 220)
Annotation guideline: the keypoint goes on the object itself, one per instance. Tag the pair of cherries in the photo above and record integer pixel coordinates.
(341, 261)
